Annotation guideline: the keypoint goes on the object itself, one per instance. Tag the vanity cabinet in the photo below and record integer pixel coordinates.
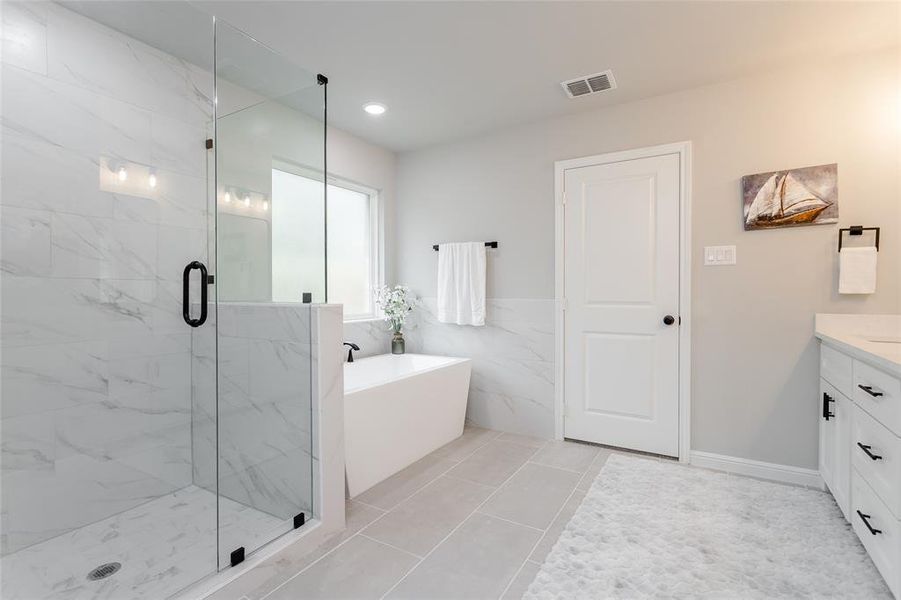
(859, 411)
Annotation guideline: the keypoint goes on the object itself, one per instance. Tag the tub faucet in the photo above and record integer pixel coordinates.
(350, 352)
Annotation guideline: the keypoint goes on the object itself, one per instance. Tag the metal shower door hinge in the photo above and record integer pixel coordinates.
(237, 556)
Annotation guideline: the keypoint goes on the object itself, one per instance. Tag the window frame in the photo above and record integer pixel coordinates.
(376, 229)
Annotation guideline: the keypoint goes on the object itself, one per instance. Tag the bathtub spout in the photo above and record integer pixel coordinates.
(350, 351)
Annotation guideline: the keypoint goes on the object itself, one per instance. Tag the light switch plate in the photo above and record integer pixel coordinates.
(719, 255)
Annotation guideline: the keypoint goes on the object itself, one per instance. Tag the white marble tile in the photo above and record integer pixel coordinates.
(163, 545)
(28, 443)
(25, 243)
(373, 337)
(177, 247)
(79, 491)
(178, 145)
(38, 174)
(328, 416)
(42, 109)
(82, 52)
(102, 248)
(24, 35)
(37, 379)
(512, 385)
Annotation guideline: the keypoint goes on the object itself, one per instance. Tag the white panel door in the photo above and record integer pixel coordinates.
(621, 281)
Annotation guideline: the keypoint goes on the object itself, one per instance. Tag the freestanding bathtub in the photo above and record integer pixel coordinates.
(397, 409)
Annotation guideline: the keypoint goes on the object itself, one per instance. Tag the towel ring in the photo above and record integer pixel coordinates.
(857, 230)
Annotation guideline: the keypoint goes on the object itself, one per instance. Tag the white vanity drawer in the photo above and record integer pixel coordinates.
(835, 368)
(878, 529)
(879, 394)
(876, 453)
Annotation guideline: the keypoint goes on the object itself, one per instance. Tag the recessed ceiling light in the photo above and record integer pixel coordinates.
(374, 108)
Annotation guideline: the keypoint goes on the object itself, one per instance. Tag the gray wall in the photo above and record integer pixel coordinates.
(754, 361)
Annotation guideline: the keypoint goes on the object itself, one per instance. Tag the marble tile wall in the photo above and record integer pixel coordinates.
(264, 408)
(512, 385)
(372, 336)
(96, 360)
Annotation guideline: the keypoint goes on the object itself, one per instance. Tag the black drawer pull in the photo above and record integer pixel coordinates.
(869, 389)
(866, 521)
(866, 450)
(826, 400)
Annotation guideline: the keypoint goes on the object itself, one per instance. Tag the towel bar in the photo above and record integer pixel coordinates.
(487, 245)
(857, 230)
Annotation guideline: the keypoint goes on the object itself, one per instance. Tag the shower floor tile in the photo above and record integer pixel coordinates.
(163, 545)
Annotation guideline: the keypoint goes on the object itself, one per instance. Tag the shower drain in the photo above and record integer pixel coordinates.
(104, 571)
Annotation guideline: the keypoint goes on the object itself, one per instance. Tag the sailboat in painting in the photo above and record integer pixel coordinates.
(784, 201)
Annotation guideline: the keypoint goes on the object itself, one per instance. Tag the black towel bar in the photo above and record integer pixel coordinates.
(857, 230)
(487, 245)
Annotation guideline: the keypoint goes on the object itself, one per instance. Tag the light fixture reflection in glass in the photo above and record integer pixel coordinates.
(151, 179)
(228, 197)
(122, 174)
(265, 205)
(246, 200)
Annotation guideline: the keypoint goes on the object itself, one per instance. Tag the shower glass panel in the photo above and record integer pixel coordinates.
(106, 197)
(269, 112)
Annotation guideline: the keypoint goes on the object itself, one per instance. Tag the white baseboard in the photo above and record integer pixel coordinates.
(755, 468)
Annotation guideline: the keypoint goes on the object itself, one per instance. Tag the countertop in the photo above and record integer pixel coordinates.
(873, 339)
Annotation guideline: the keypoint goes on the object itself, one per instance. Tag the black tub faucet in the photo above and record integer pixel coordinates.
(350, 352)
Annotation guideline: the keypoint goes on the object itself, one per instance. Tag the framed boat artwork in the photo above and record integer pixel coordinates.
(806, 196)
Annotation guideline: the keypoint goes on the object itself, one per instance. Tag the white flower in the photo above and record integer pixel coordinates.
(396, 303)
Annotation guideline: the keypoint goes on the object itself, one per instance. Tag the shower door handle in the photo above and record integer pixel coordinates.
(185, 293)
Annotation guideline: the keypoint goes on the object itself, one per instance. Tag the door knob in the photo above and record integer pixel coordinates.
(669, 320)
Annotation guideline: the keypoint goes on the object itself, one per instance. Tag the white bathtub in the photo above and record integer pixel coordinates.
(397, 409)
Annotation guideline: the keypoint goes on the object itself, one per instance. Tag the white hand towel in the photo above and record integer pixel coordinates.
(857, 270)
(461, 283)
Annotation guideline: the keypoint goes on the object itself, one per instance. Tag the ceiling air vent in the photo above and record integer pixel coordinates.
(589, 84)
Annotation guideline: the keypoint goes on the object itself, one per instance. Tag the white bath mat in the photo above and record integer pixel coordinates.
(657, 529)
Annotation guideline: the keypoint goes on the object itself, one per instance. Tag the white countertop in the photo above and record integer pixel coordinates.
(874, 339)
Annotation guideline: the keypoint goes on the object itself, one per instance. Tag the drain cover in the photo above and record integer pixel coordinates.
(104, 571)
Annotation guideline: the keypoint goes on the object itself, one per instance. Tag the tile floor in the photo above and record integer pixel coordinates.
(163, 545)
(474, 519)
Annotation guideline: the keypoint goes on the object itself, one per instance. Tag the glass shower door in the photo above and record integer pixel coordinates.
(269, 113)
(107, 107)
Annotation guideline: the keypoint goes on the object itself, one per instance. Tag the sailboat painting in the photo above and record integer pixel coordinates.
(807, 196)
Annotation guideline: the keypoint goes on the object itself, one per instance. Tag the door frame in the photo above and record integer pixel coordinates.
(683, 150)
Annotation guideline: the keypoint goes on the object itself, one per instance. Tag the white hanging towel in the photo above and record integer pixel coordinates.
(461, 283)
(857, 270)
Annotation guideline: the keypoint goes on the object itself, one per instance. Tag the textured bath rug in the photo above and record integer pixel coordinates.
(657, 529)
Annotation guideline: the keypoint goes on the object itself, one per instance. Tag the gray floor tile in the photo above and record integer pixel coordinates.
(566, 455)
(594, 469)
(277, 569)
(472, 439)
(522, 581)
(477, 561)
(419, 523)
(361, 568)
(493, 463)
(525, 440)
(533, 496)
(389, 493)
(553, 532)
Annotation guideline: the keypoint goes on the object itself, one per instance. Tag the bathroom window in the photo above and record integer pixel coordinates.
(297, 241)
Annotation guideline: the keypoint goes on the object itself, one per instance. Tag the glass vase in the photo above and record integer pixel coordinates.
(397, 343)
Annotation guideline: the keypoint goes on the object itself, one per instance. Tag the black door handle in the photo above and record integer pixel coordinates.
(869, 389)
(185, 293)
(866, 450)
(866, 521)
(669, 320)
(826, 400)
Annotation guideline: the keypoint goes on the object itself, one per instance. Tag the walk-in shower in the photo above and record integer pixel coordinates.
(156, 404)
